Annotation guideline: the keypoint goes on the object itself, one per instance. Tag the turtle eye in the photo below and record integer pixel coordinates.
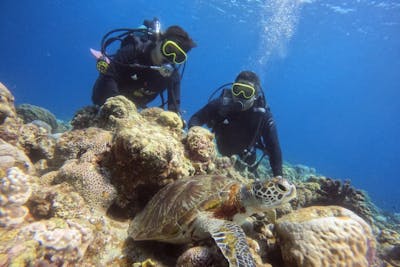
(282, 187)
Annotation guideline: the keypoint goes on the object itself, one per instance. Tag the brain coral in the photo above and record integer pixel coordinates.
(325, 236)
(170, 119)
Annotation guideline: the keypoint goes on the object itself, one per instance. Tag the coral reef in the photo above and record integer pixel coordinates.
(199, 142)
(11, 156)
(88, 145)
(31, 113)
(196, 257)
(143, 160)
(67, 199)
(326, 236)
(336, 192)
(7, 109)
(90, 182)
(15, 190)
(85, 117)
(170, 119)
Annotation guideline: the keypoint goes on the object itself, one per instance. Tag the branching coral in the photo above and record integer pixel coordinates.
(336, 192)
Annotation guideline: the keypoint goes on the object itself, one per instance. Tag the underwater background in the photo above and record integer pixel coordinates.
(330, 70)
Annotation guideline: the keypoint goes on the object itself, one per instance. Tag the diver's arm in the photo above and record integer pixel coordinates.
(204, 115)
(174, 93)
(271, 142)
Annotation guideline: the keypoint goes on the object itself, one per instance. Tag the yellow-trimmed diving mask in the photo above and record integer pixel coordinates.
(243, 90)
(173, 52)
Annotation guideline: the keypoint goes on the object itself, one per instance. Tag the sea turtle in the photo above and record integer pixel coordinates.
(196, 207)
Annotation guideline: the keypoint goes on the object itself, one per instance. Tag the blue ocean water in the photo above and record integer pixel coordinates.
(330, 69)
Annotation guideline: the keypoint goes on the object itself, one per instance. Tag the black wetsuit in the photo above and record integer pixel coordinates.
(141, 85)
(236, 131)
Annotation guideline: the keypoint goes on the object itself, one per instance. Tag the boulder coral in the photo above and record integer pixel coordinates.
(325, 236)
(147, 157)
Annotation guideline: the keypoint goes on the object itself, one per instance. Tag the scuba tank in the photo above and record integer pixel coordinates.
(150, 30)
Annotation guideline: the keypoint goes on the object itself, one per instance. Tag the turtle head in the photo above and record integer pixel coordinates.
(272, 193)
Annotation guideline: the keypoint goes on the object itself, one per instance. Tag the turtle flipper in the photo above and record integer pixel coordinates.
(231, 240)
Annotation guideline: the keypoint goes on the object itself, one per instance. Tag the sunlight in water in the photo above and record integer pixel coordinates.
(278, 19)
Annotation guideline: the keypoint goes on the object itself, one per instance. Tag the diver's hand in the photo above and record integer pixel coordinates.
(278, 177)
(184, 123)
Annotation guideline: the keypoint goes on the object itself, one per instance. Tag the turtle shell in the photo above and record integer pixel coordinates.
(170, 214)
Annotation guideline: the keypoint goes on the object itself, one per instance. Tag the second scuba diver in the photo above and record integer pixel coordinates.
(146, 64)
(242, 123)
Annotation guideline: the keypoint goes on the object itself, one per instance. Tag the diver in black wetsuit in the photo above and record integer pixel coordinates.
(242, 123)
(145, 65)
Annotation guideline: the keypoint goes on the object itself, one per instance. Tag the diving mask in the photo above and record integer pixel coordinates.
(243, 90)
(173, 52)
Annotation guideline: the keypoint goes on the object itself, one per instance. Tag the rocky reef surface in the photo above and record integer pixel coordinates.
(68, 194)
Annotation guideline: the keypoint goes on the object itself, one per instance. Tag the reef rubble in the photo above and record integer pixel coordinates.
(67, 199)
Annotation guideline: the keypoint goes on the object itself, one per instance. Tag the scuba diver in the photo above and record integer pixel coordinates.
(147, 64)
(242, 122)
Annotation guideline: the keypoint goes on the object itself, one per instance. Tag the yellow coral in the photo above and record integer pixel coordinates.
(7, 108)
(200, 144)
(170, 119)
(146, 263)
